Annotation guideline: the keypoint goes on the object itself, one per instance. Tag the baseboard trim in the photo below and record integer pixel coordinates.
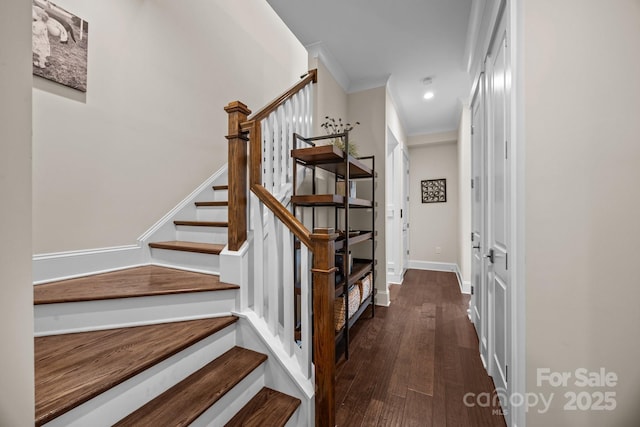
(383, 299)
(434, 266)
(68, 265)
(465, 287)
(394, 278)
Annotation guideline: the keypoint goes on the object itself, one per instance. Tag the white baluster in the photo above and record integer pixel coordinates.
(306, 310)
(258, 264)
(267, 156)
(277, 146)
(288, 291)
(272, 274)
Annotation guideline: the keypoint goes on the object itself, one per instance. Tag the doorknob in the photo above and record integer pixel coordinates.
(476, 247)
(490, 255)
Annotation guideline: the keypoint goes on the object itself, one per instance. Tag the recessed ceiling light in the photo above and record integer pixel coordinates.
(429, 94)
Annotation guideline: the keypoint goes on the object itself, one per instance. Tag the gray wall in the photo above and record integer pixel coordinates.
(16, 292)
(582, 213)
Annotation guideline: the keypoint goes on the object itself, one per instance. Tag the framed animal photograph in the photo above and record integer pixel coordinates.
(434, 190)
(59, 44)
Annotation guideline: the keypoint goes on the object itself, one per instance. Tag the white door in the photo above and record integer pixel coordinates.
(478, 218)
(498, 191)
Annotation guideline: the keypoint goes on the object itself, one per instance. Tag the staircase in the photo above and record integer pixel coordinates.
(160, 339)
(200, 231)
(157, 345)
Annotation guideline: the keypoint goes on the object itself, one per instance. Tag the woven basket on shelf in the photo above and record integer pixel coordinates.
(339, 307)
(365, 287)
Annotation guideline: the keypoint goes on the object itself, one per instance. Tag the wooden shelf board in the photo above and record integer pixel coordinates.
(335, 200)
(360, 268)
(331, 158)
(362, 237)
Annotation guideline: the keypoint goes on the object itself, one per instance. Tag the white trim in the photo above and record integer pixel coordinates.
(465, 286)
(190, 199)
(434, 266)
(71, 264)
(317, 50)
(431, 139)
(518, 299)
(274, 346)
(383, 298)
(475, 21)
(395, 279)
(51, 267)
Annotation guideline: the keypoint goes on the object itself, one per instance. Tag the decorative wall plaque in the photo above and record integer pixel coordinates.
(434, 190)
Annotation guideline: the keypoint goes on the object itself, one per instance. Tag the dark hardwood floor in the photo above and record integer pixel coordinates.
(414, 362)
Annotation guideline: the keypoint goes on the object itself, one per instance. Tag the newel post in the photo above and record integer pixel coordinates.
(324, 347)
(238, 113)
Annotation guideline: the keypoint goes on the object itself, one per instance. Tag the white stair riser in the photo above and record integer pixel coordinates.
(119, 401)
(53, 319)
(193, 261)
(276, 376)
(202, 234)
(211, 213)
(221, 195)
(229, 404)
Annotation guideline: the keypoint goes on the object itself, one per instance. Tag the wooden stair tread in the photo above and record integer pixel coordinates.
(220, 187)
(132, 282)
(217, 203)
(175, 245)
(187, 400)
(73, 368)
(267, 408)
(203, 223)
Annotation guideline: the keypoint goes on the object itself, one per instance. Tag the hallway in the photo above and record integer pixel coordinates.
(413, 364)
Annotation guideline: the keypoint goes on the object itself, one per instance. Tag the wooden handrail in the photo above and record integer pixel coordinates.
(312, 76)
(321, 242)
(283, 214)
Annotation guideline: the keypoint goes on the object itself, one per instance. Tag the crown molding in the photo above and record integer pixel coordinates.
(317, 50)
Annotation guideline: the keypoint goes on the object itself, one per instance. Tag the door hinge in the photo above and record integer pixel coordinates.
(472, 129)
(472, 236)
(472, 182)
(506, 261)
(407, 251)
(506, 149)
(471, 289)
(506, 373)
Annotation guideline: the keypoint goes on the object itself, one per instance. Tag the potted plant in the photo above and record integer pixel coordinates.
(333, 127)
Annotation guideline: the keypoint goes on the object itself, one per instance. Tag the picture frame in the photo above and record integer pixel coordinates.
(434, 190)
(59, 45)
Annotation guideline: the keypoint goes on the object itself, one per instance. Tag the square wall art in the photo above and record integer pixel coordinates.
(434, 190)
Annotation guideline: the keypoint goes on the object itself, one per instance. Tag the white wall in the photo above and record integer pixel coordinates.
(582, 213)
(368, 107)
(464, 193)
(330, 100)
(433, 224)
(16, 292)
(152, 126)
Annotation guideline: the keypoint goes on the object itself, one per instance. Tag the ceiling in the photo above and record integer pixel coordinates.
(370, 42)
